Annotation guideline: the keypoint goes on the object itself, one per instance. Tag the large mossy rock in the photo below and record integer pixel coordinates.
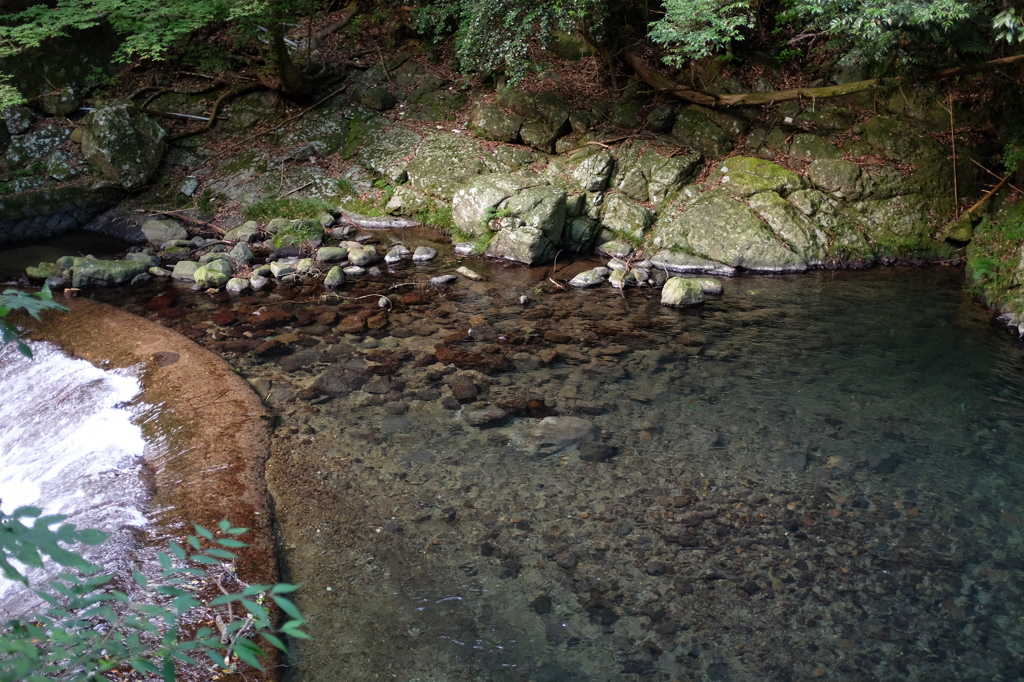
(124, 145)
(624, 218)
(719, 228)
(532, 229)
(91, 271)
(787, 223)
(491, 122)
(744, 176)
(476, 202)
(545, 116)
(841, 179)
(697, 131)
(36, 145)
(442, 162)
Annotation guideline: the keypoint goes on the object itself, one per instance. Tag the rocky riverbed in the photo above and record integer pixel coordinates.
(813, 477)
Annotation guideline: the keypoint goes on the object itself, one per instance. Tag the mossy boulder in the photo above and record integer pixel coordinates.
(36, 145)
(743, 176)
(532, 229)
(491, 122)
(91, 271)
(443, 162)
(680, 292)
(159, 231)
(807, 147)
(124, 145)
(624, 218)
(698, 132)
(795, 229)
(719, 228)
(477, 200)
(841, 179)
(594, 171)
(210, 277)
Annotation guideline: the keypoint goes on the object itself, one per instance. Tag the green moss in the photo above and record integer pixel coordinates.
(993, 257)
(297, 233)
(287, 207)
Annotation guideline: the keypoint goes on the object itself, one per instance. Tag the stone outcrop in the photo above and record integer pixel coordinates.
(124, 145)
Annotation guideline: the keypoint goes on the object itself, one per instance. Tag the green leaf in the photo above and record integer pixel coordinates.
(204, 532)
(275, 641)
(143, 666)
(248, 652)
(283, 588)
(288, 607)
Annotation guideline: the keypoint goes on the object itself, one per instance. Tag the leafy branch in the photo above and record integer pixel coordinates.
(33, 304)
(89, 629)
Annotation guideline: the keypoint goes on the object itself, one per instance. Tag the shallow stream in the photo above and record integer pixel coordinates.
(816, 476)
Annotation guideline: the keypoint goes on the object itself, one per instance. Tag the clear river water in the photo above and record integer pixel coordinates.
(814, 477)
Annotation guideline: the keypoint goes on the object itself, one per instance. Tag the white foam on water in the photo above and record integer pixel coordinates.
(70, 444)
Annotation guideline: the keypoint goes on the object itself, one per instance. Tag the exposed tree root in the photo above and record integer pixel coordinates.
(341, 23)
(230, 93)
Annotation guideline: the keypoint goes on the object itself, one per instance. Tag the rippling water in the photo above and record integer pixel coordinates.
(817, 476)
(71, 443)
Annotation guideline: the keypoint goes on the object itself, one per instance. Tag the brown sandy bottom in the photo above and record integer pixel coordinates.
(815, 477)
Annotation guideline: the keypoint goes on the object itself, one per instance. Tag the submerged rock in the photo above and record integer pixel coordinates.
(554, 435)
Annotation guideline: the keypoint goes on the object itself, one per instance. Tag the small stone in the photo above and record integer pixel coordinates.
(237, 285)
(331, 254)
(597, 452)
(304, 265)
(354, 271)
(442, 280)
(656, 567)
(424, 254)
(246, 232)
(335, 278)
(680, 291)
(280, 268)
(488, 416)
(157, 271)
(189, 187)
(465, 248)
(241, 253)
(258, 282)
(366, 255)
(463, 388)
(396, 254)
(615, 249)
(588, 278)
(469, 274)
(567, 560)
(186, 270)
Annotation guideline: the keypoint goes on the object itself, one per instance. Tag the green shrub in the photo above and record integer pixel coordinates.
(90, 629)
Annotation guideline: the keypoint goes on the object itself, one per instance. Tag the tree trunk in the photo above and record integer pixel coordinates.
(287, 78)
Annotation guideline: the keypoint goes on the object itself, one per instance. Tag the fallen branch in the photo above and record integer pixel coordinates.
(664, 83)
(367, 223)
(187, 218)
(989, 194)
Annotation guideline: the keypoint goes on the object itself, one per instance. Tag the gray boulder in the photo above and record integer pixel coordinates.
(246, 232)
(124, 145)
(237, 285)
(698, 132)
(477, 200)
(491, 122)
(593, 173)
(185, 269)
(555, 435)
(210, 277)
(241, 253)
(719, 228)
(623, 217)
(744, 176)
(160, 231)
(18, 119)
(36, 145)
(532, 230)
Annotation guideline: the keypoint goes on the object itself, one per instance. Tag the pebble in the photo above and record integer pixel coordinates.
(469, 274)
